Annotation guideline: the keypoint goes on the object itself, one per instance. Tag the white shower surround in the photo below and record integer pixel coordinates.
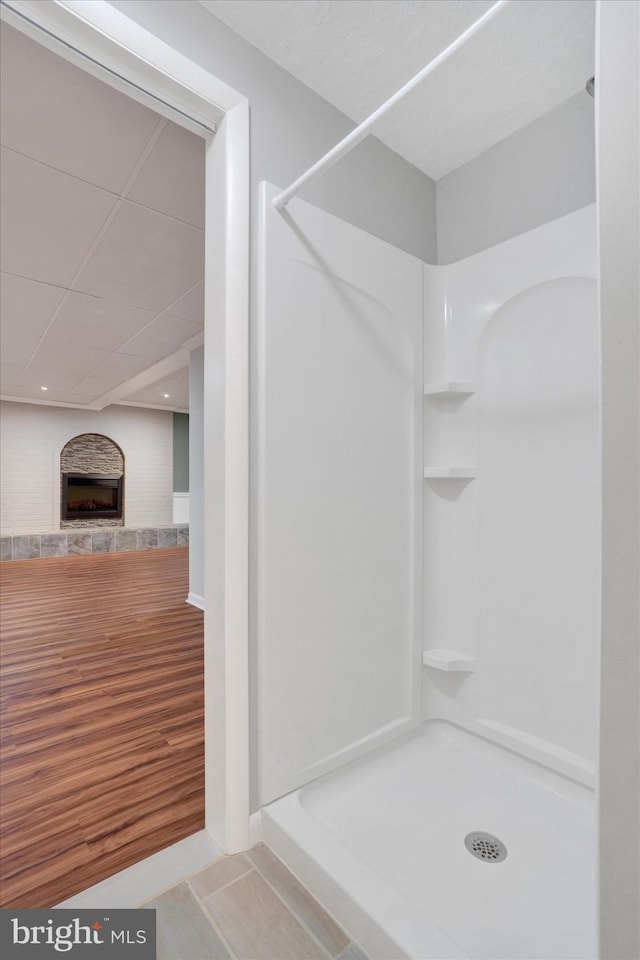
(351, 834)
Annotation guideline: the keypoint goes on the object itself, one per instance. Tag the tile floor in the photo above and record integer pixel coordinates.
(244, 907)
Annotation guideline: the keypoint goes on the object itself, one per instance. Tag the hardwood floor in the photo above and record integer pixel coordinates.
(101, 716)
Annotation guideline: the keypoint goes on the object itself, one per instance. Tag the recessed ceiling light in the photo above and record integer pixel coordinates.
(166, 396)
(44, 388)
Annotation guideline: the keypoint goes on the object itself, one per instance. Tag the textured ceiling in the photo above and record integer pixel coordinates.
(531, 57)
(102, 247)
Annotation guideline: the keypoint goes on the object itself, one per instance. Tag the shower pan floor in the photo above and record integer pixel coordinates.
(382, 843)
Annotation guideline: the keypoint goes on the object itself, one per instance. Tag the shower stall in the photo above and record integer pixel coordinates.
(446, 567)
(428, 570)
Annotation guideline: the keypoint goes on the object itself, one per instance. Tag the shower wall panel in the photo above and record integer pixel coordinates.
(539, 516)
(511, 573)
(340, 494)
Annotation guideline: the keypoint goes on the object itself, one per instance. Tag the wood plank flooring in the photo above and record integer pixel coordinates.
(101, 718)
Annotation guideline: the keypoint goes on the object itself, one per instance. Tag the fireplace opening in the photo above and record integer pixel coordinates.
(88, 496)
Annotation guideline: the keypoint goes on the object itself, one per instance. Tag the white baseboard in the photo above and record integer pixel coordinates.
(195, 600)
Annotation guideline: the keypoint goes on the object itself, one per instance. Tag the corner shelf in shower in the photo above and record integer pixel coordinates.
(450, 388)
(449, 473)
(451, 661)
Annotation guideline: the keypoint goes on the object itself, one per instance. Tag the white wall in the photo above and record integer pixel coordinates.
(32, 437)
(618, 196)
(539, 173)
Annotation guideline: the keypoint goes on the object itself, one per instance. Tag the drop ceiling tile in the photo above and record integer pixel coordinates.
(59, 114)
(178, 380)
(147, 345)
(120, 367)
(27, 305)
(63, 357)
(52, 395)
(94, 387)
(144, 259)
(161, 338)
(176, 385)
(90, 321)
(28, 392)
(174, 330)
(190, 306)
(9, 375)
(172, 179)
(49, 220)
(17, 347)
(37, 377)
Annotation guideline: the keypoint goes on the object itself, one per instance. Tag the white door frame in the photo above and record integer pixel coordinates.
(93, 35)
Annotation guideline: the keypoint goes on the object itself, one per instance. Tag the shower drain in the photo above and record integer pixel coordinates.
(485, 846)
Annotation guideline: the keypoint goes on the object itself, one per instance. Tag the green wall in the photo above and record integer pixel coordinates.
(180, 452)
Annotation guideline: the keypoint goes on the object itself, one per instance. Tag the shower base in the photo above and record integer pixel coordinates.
(381, 843)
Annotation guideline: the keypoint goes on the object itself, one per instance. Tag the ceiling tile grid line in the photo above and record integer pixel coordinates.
(72, 284)
(144, 156)
(146, 385)
(56, 112)
(145, 259)
(101, 387)
(83, 262)
(118, 303)
(131, 184)
(188, 328)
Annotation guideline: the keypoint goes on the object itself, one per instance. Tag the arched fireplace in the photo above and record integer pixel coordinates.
(91, 482)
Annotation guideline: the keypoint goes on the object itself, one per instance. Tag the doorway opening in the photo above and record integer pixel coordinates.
(107, 44)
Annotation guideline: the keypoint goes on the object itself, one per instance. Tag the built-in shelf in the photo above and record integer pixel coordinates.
(450, 661)
(450, 388)
(449, 473)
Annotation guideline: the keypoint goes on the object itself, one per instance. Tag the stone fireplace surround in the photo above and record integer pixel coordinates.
(91, 454)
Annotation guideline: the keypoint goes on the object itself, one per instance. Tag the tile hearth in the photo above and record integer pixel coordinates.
(36, 546)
